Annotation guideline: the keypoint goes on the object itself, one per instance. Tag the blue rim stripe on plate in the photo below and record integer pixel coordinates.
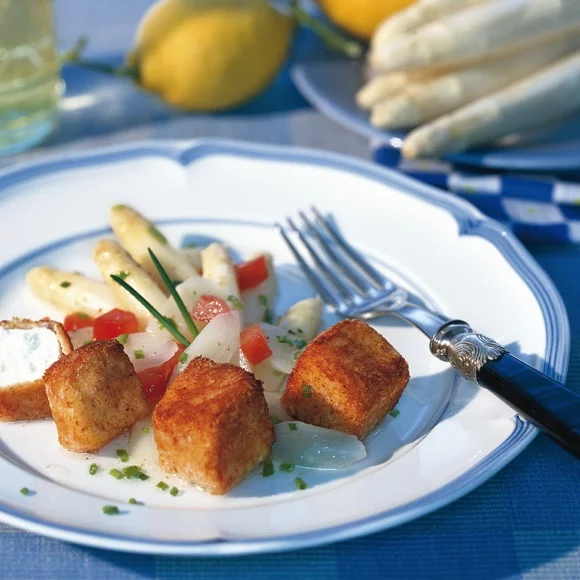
(470, 222)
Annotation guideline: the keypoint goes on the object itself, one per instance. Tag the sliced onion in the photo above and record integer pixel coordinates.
(218, 341)
(311, 446)
(80, 336)
(156, 350)
(272, 379)
(275, 407)
(254, 304)
(142, 448)
(283, 353)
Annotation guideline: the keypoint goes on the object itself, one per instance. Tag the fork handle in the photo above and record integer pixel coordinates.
(540, 399)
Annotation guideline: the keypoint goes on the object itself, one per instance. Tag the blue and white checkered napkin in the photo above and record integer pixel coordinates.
(537, 209)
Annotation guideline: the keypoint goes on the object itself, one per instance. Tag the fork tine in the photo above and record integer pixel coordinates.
(318, 284)
(350, 273)
(378, 280)
(337, 284)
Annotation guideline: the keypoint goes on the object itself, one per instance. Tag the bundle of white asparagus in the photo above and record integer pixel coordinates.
(461, 73)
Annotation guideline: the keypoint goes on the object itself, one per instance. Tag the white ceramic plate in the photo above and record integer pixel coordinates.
(450, 435)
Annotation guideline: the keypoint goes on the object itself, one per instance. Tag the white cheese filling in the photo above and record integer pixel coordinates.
(26, 353)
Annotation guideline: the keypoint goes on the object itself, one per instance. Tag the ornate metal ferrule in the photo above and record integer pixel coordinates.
(466, 350)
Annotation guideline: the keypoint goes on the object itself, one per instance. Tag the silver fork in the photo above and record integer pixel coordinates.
(355, 289)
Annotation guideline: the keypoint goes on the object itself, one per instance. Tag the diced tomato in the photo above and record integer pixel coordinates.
(254, 345)
(208, 307)
(114, 323)
(251, 274)
(154, 379)
(77, 320)
(153, 382)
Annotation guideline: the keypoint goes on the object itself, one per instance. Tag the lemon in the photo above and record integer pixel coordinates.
(361, 17)
(209, 55)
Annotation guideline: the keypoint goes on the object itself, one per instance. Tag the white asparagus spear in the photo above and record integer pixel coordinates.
(484, 29)
(416, 15)
(71, 292)
(112, 259)
(424, 101)
(136, 233)
(217, 265)
(547, 95)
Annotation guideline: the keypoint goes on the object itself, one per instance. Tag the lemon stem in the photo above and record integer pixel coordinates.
(329, 36)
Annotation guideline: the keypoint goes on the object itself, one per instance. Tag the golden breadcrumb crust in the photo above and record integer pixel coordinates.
(212, 425)
(348, 378)
(28, 401)
(94, 395)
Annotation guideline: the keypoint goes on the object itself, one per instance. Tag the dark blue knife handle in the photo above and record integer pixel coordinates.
(541, 400)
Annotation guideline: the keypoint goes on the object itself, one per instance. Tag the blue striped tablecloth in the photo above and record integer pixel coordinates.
(522, 524)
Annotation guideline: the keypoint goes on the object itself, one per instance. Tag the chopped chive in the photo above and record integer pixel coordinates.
(142, 476)
(274, 419)
(162, 486)
(123, 455)
(65, 284)
(277, 373)
(237, 304)
(158, 316)
(288, 467)
(299, 331)
(178, 300)
(139, 354)
(131, 471)
(300, 483)
(174, 491)
(268, 316)
(82, 315)
(300, 343)
(87, 342)
(116, 473)
(282, 339)
(24, 491)
(395, 413)
(307, 391)
(123, 274)
(297, 354)
(145, 430)
(93, 468)
(268, 468)
(263, 300)
(133, 501)
(123, 338)
(111, 510)
(157, 234)
(292, 426)
(183, 357)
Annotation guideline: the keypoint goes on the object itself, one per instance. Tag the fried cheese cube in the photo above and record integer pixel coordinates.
(212, 426)
(27, 349)
(94, 396)
(348, 378)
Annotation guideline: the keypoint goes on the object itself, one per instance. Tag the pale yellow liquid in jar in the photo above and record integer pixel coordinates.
(29, 74)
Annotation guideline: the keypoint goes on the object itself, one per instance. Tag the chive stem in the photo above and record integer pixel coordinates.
(171, 287)
(154, 312)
